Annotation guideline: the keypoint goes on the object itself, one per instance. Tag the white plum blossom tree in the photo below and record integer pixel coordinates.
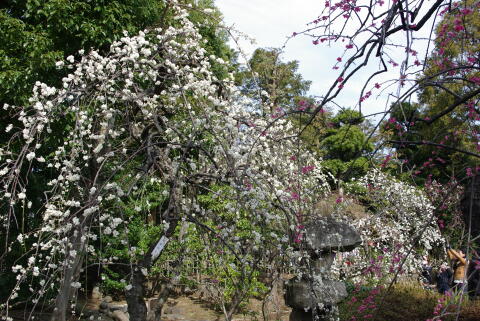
(151, 110)
(396, 235)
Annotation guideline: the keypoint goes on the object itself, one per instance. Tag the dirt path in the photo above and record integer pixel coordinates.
(192, 309)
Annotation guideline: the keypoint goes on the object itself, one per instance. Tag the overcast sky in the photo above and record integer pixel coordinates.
(271, 22)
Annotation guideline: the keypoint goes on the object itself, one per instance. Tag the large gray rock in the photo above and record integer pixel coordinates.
(317, 292)
(299, 294)
(118, 306)
(323, 264)
(328, 234)
(302, 315)
(119, 315)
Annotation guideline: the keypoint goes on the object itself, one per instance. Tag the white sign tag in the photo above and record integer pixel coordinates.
(159, 247)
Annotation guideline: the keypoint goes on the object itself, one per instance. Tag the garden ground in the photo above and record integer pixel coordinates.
(405, 302)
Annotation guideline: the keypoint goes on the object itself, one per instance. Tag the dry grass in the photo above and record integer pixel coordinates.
(349, 207)
(407, 302)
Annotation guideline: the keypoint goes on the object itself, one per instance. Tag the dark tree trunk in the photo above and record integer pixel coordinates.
(137, 308)
(471, 208)
(156, 305)
(237, 299)
(71, 274)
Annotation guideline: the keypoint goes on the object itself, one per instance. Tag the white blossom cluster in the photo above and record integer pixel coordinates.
(401, 230)
(152, 102)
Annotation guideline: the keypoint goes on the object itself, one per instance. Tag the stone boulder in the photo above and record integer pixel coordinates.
(317, 292)
(119, 315)
(299, 294)
(327, 235)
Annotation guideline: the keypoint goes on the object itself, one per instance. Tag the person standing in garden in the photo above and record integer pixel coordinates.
(459, 265)
(426, 272)
(443, 279)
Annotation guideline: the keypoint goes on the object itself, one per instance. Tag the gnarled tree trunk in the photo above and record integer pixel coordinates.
(137, 308)
(71, 274)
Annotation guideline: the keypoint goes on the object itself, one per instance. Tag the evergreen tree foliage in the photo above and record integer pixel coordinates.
(280, 80)
(345, 145)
